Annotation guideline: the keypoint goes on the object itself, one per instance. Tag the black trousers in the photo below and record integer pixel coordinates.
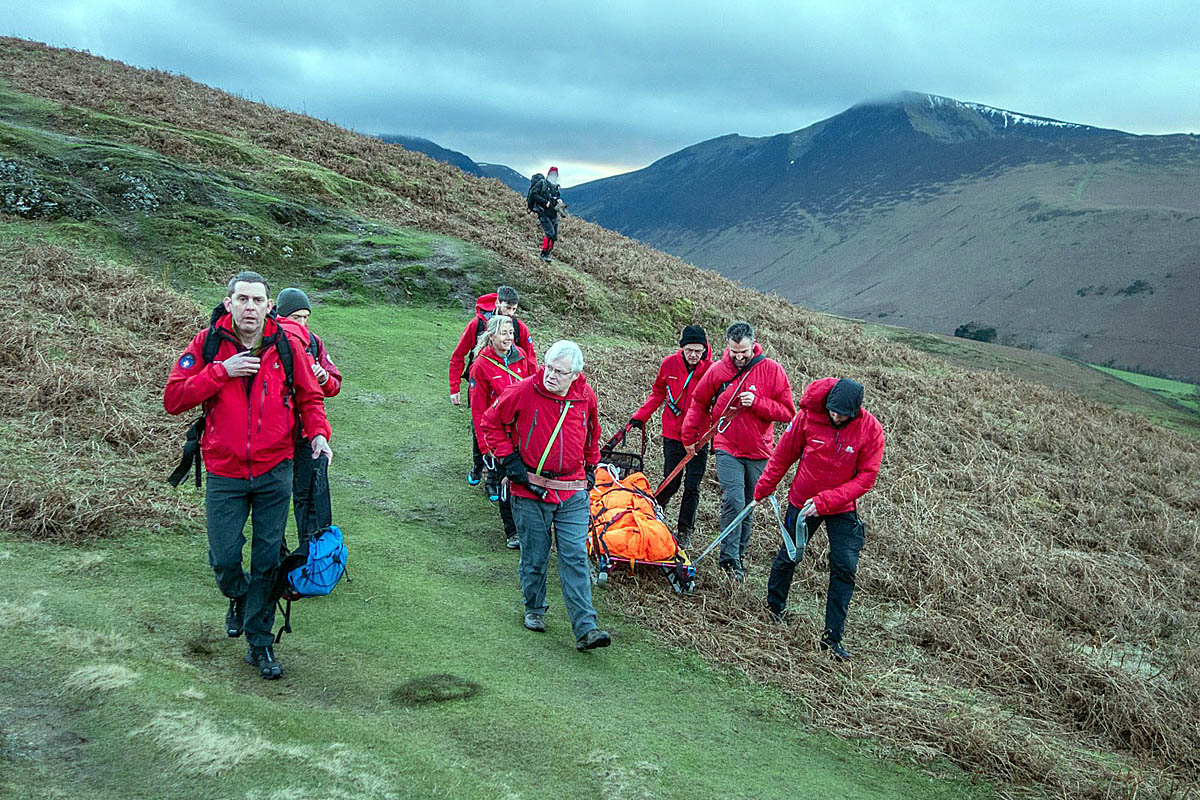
(476, 454)
(690, 477)
(549, 226)
(847, 535)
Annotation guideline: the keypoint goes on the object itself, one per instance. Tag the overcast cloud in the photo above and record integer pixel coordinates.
(604, 88)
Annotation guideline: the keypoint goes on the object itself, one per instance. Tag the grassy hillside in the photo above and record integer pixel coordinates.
(1029, 598)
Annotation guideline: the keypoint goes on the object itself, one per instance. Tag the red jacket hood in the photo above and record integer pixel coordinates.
(727, 359)
(485, 304)
(295, 329)
(814, 396)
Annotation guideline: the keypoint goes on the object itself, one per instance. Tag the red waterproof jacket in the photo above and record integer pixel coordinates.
(675, 385)
(250, 425)
(749, 432)
(837, 465)
(333, 384)
(491, 374)
(485, 306)
(522, 420)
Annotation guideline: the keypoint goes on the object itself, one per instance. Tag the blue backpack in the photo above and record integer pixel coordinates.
(316, 566)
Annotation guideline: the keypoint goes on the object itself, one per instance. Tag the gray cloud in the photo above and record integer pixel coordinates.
(620, 84)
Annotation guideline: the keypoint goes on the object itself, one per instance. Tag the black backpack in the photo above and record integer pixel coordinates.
(212, 343)
(535, 190)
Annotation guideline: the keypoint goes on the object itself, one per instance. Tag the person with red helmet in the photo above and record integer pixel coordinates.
(251, 405)
(498, 364)
(839, 445)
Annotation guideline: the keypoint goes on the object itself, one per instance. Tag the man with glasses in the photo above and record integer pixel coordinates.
(545, 430)
(743, 394)
(678, 377)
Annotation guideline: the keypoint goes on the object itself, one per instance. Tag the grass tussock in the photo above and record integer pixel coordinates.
(1029, 596)
(16, 613)
(85, 348)
(201, 746)
(96, 678)
(97, 643)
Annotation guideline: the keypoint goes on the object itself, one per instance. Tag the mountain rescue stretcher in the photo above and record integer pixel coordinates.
(627, 527)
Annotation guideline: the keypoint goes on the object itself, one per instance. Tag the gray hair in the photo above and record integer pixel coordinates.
(491, 329)
(564, 348)
(739, 331)
(247, 276)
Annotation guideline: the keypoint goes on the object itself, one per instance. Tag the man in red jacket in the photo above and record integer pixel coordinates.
(546, 432)
(504, 301)
(678, 377)
(839, 446)
(293, 310)
(247, 445)
(743, 395)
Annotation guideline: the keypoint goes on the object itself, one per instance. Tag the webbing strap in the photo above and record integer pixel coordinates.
(553, 436)
(503, 367)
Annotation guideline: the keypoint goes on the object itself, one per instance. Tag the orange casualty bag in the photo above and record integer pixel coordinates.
(624, 520)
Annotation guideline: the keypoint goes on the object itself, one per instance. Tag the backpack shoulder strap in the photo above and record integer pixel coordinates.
(314, 345)
(741, 373)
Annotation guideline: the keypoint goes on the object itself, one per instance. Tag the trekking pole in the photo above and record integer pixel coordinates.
(792, 547)
(728, 530)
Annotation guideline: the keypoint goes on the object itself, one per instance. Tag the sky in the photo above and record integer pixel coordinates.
(600, 88)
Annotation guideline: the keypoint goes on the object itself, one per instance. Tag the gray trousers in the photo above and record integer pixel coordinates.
(228, 502)
(738, 477)
(570, 522)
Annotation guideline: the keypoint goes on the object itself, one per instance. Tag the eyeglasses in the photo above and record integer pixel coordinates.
(559, 373)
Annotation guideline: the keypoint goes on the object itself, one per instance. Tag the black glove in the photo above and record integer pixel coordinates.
(637, 423)
(515, 469)
(591, 477)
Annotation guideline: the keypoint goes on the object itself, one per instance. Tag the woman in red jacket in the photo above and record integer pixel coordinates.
(496, 364)
(839, 446)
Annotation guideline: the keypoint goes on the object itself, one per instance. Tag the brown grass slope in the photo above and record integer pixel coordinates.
(1029, 598)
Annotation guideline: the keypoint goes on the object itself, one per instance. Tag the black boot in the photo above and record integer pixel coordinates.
(234, 617)
(835, 648)
(264, 659)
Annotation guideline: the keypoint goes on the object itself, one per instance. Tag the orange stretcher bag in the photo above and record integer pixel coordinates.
(625, 520)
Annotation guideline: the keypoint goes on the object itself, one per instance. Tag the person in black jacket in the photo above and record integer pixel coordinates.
(545, 201)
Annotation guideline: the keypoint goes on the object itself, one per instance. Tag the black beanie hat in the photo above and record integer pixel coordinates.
(845, 398)
(290, 301)
(693, 334)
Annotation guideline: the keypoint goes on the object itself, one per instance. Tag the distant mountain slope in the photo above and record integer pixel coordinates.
(506, 175)
(932, 213)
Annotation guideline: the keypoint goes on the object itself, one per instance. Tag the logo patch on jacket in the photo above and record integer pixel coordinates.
(753, 388)
(849, 448)
(187, 361)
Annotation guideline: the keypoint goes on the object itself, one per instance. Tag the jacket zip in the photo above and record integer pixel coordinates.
(532, 425)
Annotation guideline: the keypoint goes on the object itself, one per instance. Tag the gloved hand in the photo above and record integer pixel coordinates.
(591, 476)
(637, 423)
(515, 469)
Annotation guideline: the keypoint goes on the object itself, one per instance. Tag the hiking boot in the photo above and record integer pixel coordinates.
(778, 617)
(593, 639)
(535, 622)
(234, 617)
(734, 570)
(264, 659)
(684, 539)
(474, 476)
(546, 257)
(513, 543)
(835, 648)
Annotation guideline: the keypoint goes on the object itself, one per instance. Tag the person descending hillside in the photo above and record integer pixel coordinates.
(743, 393)
(504, 301)
(678, 377)
(546, 432)
(251, 398)
(545, 201)
(839, 446)
(293, 310)
(498, 364)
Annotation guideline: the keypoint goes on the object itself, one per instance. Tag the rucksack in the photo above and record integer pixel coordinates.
(534, 189)
(314, 568)
(212, 343)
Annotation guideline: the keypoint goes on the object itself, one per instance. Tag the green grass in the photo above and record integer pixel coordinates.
(116, 681)
(1185, 394)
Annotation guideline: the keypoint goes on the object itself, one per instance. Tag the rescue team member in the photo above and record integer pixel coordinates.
(497, 364)
(505, 301)
(247, 446)
(546, 431)
(293, 310)
(839, 446)
(678, 377)
(743, 394)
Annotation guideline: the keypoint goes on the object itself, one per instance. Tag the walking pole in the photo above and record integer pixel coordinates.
(730, 529)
